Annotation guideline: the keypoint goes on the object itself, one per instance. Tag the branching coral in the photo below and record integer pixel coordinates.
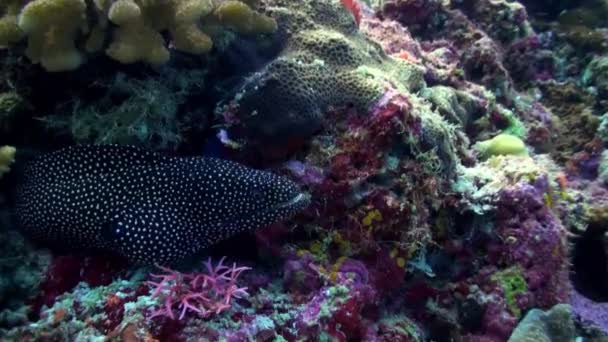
(138, 37)
(53, 26)
(202, 293)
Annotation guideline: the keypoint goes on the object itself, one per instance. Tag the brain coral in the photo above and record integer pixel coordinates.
(325, 63)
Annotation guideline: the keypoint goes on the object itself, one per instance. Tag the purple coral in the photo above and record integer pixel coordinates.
(206, 293)
(590, 312)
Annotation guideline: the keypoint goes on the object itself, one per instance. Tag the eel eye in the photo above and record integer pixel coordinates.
(114, 230)
(257, 194)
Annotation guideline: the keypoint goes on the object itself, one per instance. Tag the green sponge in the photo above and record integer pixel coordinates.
(502, 144)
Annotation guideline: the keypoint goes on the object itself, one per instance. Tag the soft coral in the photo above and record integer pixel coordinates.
(204, 293)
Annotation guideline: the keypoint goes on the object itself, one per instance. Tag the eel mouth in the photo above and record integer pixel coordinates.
(282, 209)
(300, 200)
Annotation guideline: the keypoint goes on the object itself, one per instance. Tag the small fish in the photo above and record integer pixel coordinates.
(354, 7)
(145, 206)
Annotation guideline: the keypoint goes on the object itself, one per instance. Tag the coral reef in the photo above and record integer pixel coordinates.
(593, 313)
(595, 75)
(11, 104)
(22, 268)
(53, 27)
(131, 112)
(204, 294)
(7, 157)
(454, 154)
(554, 325)
(326, 63)
(502, 144)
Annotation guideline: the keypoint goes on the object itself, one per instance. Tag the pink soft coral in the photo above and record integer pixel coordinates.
(204, 293)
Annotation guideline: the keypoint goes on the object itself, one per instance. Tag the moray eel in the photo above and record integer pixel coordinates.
(145, 206)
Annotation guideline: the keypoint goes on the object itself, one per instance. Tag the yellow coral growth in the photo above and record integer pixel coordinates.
(187, 36)
(51, 27)
(134, 40)
(124, 12)
(243, 19)
(10, 32)
(138, 38)
(7, 157)
(138, 43)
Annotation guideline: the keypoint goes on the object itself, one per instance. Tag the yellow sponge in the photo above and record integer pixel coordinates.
(51, 27)
(7, 157)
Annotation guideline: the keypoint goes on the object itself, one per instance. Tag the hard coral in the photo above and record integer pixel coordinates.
(7, 157)
(325, 64)
(576, 122)
(22, 267)
(140, 23)
(241, 17)
(208, 293)
(10, 32)
(134, 40)
(555, 324)
(53, 26)
(531, 237)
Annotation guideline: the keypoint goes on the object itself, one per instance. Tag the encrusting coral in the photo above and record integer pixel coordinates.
(53, 27)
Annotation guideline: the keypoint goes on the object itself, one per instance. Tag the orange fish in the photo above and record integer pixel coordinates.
(562, 180)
